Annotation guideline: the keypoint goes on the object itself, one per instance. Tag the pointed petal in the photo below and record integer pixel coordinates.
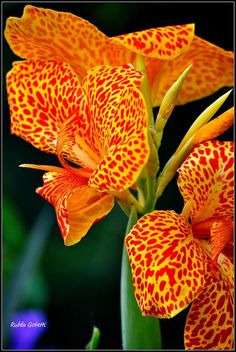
(163, 43)
(210, 321)
(42, 95)
(212, 69)
(167, 264)
(206, 179)
(51, 35)
(118, 127)
(77, 206)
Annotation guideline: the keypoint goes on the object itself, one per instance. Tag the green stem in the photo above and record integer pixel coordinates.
(138, 332)
(145, 88)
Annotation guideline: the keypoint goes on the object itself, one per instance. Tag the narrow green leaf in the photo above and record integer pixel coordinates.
(93, 343)
(203, 118)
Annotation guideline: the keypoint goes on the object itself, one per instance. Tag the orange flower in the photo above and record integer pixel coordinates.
(171, 259)
(99, 124)
(47, 34)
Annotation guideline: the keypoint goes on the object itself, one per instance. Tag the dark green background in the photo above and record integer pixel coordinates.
(78, 286)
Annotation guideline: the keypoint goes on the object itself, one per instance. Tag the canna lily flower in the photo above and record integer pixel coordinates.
(167, 51)
(98, 130)
(176, 262)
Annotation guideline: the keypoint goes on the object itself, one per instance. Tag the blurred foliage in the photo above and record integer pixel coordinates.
(14, 239)
(79, 286)
(14, 242)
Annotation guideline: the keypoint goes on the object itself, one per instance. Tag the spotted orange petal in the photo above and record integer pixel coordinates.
(206, 179)
(126, 149)
(118, 126)
(163, 43)
(167, 263)
(210, 321)
(48, 34)
(212, 69)
(77, 205)
(42, 95)
(85, 139)
(52, 35)
(104, 87)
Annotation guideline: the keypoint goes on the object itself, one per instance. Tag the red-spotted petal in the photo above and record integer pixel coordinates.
(43, 95)
(118, 126)
(104, 86)
(47, 34)
(126, 150)
(167, 263)
(206, 179)
(51, 35)
(77, 205)
(163, 43)
(210, 321)
(212, 68)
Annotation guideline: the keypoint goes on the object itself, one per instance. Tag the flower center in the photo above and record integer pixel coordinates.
(84, 157)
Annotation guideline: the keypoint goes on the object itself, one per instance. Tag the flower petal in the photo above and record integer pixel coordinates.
(206, 179)
(210, 321)
(212, 69)
(77, 206)
(126, 149)
(167, 264)
(163, 43)
(117, 127)
(103, 85)
(42, 95)
(48, 34)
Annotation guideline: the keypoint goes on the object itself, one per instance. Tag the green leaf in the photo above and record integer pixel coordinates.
(93, 343)
(14, 238)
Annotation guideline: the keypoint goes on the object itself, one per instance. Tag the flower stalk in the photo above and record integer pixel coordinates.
(145, 88)
(138, 332)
